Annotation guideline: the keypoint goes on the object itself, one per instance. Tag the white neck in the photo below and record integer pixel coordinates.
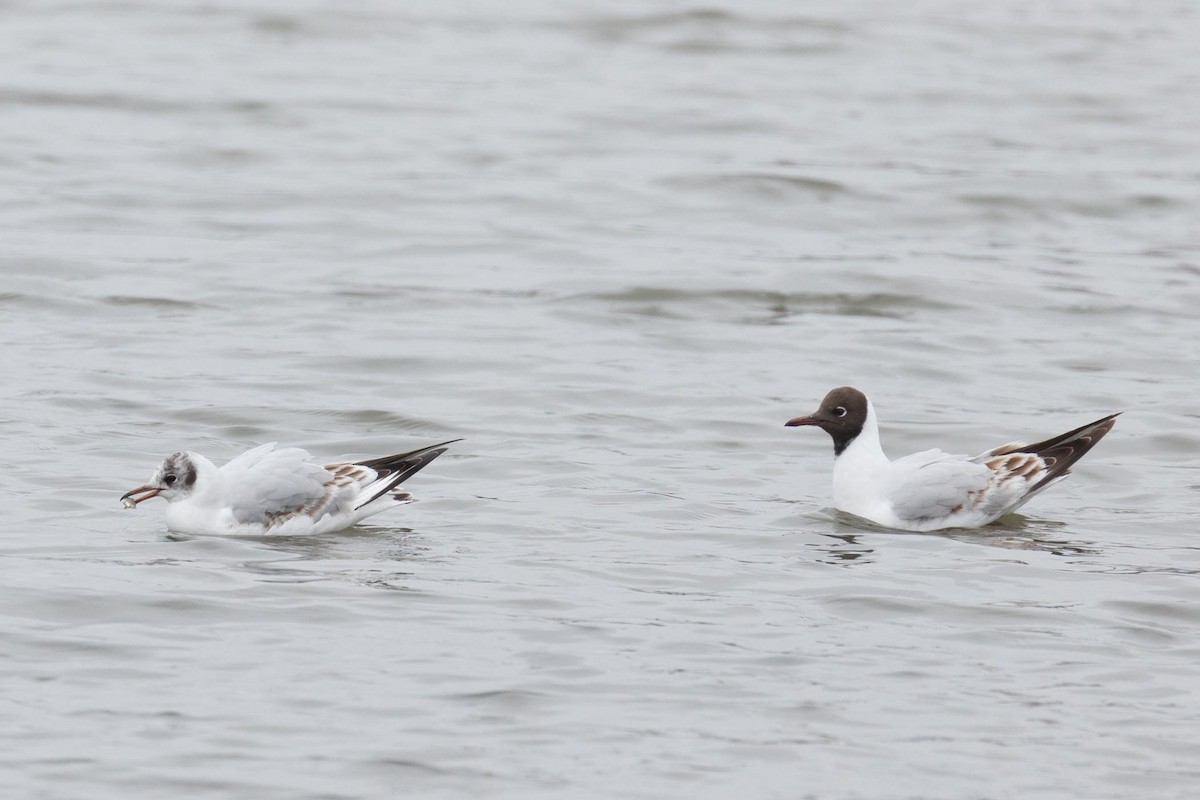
(209, 484)
(861, 468)
(184, 513)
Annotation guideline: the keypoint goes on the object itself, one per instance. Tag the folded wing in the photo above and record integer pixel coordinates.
(268, 485)
(934, 484)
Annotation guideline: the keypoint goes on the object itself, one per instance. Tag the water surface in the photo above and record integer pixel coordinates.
(615, 248)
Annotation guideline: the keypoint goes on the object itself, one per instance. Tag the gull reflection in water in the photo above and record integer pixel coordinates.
(851, 542)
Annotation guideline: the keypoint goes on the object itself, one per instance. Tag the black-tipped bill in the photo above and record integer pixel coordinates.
(798, 421)
(130, 498)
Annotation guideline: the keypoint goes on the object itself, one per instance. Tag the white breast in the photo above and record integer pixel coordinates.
(861, 475)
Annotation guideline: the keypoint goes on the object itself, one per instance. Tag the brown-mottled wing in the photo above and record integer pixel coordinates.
(1042, 462)
(383, 475)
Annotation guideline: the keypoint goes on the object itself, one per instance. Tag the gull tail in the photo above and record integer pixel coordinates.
(1057, 454)
(390, 472)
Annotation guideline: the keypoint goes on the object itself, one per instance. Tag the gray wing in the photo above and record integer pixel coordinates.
(265, 485)
(933, 484)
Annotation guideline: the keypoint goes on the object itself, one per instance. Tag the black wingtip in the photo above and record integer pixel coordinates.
(399, 468)
(393, 462)
(1061, 452)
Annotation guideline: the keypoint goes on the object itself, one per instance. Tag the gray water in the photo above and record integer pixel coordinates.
(614, 246)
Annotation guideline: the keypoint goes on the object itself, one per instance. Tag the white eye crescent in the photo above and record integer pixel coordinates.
(839, 411)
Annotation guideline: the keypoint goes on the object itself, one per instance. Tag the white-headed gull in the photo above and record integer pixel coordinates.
(932, 490)
(278, 491)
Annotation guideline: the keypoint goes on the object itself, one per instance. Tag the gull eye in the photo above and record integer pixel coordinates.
(840, 411)
(169, 479)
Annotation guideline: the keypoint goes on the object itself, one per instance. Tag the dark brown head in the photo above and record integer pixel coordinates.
(174, 480)
(842, 415)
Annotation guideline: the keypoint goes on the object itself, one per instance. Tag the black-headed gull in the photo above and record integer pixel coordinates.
(932, 490)
(278, 491)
